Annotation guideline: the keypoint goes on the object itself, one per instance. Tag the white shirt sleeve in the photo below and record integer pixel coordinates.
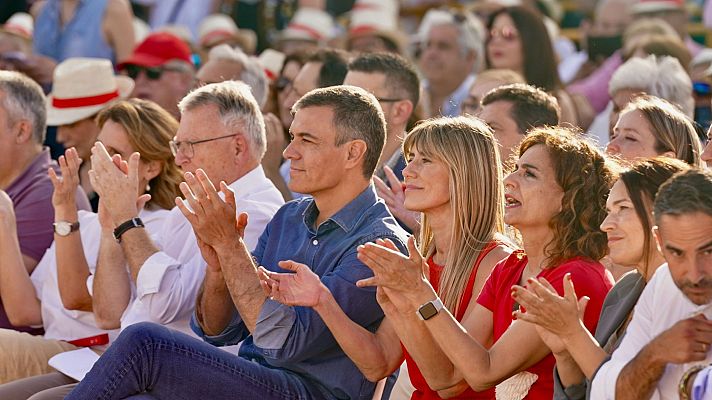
(637, 335)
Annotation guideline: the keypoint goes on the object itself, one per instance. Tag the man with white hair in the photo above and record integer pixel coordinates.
(452, 51)
(662, 77)
(222, 134)
(227, 63)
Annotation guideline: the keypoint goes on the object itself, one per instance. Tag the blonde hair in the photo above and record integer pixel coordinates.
(672, 129)
(149, 129)
(468, 148)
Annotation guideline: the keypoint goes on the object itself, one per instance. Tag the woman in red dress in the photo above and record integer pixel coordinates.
(555, 198)
(454, 178)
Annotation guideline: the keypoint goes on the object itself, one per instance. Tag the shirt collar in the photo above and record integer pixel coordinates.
(349, 215)
(246, 184)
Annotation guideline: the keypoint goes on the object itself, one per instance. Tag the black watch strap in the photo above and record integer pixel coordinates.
(130, 224)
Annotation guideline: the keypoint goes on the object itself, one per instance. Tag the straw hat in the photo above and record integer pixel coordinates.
(653, 6)
(82, 87)
(215, 28)
(309, 24)
(20, 24)
(272, 61)
(378, 18)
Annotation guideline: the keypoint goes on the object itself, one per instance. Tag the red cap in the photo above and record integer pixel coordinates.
(158, 49)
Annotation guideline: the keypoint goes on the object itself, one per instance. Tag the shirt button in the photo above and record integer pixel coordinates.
(315, 242)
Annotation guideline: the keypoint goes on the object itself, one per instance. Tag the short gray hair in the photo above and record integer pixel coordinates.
(686, 192)
(471, 32)
(662, 77)
(356, 116)
(23, 99)
(252, 73)
(237, 108)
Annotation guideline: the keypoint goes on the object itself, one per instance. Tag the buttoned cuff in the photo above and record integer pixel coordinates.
(274, 324)
(152, 272)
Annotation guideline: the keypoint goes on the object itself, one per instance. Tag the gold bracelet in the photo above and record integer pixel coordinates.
(682, 387)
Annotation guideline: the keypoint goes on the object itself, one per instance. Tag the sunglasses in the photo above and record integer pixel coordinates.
(282, 83)
(507, 33)
(152, 73)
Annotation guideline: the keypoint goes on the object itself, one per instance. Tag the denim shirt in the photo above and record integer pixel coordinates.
(295, 338)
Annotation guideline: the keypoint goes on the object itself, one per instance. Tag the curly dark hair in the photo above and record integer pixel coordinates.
(585, 175)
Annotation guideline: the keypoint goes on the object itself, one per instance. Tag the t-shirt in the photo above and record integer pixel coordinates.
(422, 391)
(590, 279)
(31, 195)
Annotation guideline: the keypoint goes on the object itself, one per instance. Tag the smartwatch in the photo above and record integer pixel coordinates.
(430, 309)
(64, 228)
(124, 227)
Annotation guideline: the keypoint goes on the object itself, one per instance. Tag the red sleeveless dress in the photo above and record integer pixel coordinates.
(422, 390)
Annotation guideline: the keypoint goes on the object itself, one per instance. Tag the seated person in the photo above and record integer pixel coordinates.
(549, 201)
(631, 244)
(37, 299)
(668, 339)
(445, 155)
(26, 212)
(289, 349)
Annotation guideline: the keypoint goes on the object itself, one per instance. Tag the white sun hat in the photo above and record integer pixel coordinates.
(82, 87)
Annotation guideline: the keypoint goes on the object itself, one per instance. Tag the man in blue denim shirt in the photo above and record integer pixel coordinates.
(287, 352)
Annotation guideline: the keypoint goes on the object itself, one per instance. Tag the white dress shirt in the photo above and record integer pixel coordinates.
(660, 306)
(60, 323)
(168, 282)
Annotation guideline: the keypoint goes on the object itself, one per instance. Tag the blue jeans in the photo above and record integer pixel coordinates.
(166, 364)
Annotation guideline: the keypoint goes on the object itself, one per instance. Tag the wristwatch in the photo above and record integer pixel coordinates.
(64, 228)
(130, 224)
(430, 309)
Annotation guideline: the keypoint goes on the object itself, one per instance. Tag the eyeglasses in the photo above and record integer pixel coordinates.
(186, 146)
(507, 33)
(152, 73)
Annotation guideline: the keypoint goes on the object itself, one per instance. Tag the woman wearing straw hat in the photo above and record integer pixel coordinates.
(82, 88)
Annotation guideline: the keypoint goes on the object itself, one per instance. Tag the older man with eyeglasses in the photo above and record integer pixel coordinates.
(221, 133)
(163, 70)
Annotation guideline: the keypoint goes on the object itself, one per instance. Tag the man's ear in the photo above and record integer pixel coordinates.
(239, 145)
(356, 153)
(22, 130)
(401, 111)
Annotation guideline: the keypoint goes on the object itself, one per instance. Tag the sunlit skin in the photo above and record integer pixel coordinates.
(686, 242)
(620, 99)
(442, 60)
(116, 141)
(504, 48)
(427, 184)
(80, 134)
(624, 229)
(498, 115)
(532, 195)
(633, 138)
(313, 147)
(305, 81)
(290, 72)
(478, 90)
